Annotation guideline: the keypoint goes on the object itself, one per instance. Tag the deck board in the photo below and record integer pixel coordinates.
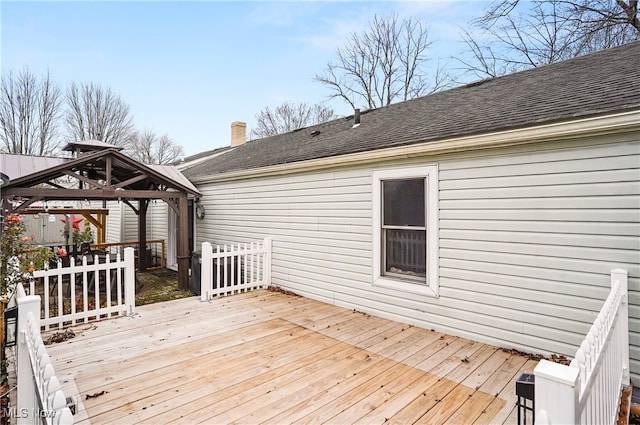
(266, 357)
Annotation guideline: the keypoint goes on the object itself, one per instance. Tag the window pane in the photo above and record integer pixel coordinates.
(403, 202)
(405, 252)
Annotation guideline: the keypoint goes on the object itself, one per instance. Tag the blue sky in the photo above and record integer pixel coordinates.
(188, 69)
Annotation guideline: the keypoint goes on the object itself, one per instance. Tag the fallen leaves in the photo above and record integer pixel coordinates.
(59, 337)
(94, 395)
(281, 290)
(531, 356)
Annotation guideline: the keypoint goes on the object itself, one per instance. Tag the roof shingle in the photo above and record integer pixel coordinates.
(599, 83)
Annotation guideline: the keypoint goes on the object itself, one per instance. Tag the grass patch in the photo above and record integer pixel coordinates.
(159, 285)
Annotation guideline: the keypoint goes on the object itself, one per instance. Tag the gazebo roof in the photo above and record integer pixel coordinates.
(30, 174)
(16, 165)
(89, 145)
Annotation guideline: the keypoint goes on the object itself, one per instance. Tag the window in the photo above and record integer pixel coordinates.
(403, 231)
(405, 244)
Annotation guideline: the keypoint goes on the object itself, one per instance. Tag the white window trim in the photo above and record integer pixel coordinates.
(430, 172)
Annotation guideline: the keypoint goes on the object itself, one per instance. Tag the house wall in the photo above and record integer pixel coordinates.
(528, 236)
(122, 223)
(157, 226)
(157, 220)
(129, 223)
(114, 221)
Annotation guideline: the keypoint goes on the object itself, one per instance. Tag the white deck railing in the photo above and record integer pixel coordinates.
(234, 268)
(88, 291)
(588, 390)
(405, 250)
(39, 398)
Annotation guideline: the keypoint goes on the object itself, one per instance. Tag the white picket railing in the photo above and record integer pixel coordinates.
(588, 390)
(39, 397)
(406, 250)
(84, 292)
(234, 268)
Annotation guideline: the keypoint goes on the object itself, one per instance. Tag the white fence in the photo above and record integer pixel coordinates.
(588, 390)
(234, 268)
(39, 397)
(97, 288)
(406, 250)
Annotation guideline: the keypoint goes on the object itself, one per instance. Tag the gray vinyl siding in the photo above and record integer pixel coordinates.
(114, 222)
(529, 239)
(130, 224)
(157, 220)
(125, 222)
(527, 235)
(157, 225)
(122, 222)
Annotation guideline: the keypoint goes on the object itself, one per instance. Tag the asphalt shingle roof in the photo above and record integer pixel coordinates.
(599, 83)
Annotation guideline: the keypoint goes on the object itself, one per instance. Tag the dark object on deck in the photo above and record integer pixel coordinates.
(525, 390)
(231, 278)
(71, 404)
(148, 260)
(85, 248)
(196, 272)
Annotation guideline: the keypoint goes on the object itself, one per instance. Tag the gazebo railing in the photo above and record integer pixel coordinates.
(155, 251)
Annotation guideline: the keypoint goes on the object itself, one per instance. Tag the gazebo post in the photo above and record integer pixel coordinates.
(183, 242)
(142, 234)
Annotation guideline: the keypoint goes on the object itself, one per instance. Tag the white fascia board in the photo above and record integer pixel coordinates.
(586, 127)
(185, 165)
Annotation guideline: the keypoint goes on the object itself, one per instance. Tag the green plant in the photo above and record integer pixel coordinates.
(77, 236)
(19, 256)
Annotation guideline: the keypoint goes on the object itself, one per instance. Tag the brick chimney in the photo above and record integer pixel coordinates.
(238, 133)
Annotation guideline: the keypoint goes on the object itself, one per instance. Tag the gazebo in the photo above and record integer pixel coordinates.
(98, 171)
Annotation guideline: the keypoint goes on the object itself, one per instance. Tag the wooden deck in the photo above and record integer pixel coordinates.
(267, 357)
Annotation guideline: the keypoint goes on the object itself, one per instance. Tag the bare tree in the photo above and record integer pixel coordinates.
(591, 14)
(29, 113)
(288, 117)
(97, 113)
(385, 64)
(549, 31)
(148, 148)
